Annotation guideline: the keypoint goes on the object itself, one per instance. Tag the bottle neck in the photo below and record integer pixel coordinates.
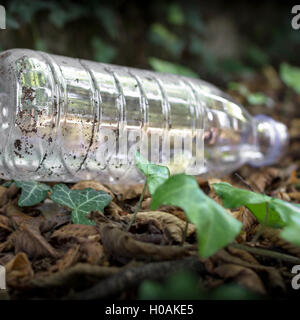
(271, 139)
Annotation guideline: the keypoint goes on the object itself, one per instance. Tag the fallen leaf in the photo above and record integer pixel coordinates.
(274, 236)
(9, 243)
(5, 258)
(72, 275)
(241, 275)
(16, 215)
(18, 271)
(127, 192)
(263, 178)
(246, 217)
(242, 254)
(294, 195)
(28, 239)
(69, 259)
(5, 227)
(113, 209)
(121, 246)
(91, 252)
(146, 204)
(3, 196)
(74, 231)
(174, 226)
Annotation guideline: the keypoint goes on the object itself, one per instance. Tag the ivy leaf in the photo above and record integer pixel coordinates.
(255, 202)
(32, 192)
(290, 213)
(236, 197)
(81, 202)
(155, 174)
(282, 214)
(215, 227)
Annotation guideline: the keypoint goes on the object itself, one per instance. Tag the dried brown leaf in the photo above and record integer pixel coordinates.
(242, 275)
(170, 223)
(273, 236)
(242, 254)
(127, 192)
(121, 246)
(28, 239)
(18, 271)
(91, 252)
(263, 178)
(74, 274)
(294, 195)
(16, 215)
(246, 217)
(5, 227)
(3, 196)
(9, 243)
(69, 259)
(113, 209)
(74, 231)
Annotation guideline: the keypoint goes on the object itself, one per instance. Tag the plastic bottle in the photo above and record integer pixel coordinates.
(55, 112)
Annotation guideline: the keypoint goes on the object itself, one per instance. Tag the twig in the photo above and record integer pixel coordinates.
(137, 208)
(244, 182)
(267, 253)
(262, 226)
(132, 277)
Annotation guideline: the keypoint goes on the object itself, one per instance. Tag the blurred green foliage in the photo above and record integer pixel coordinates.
(186, 35)
(187, 285)
(290, 76)
(168, 67)
(252, 98)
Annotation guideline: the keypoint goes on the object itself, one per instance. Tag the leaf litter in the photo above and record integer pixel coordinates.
(47, 255)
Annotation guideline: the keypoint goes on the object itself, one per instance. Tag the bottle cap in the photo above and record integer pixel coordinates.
(277, 136)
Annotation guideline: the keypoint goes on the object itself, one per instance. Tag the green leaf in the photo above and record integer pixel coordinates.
(32, 192)
(103, 52)
(161, 36)
(108, 19)
(155, 174)
(290, 76)
(175, 14)
(255, 202)
(290, 213)
(169, 67)
(235, 197)
(215, 227)
(282, 214)
(81, 202)
(257, 98)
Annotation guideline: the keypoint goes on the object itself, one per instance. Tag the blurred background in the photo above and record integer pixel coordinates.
(247, 48)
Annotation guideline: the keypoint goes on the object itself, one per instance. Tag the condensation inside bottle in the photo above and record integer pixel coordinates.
(54, 112)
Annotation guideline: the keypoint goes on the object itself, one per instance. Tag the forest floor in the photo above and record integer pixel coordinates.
(48, 257)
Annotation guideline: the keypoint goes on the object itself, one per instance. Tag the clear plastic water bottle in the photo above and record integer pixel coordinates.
(65, 119)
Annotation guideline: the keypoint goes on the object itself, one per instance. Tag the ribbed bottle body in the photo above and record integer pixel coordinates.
(65, 119)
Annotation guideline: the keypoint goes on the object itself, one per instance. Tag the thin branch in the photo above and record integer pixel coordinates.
(133, 277)
(244, 182)
(267, 253)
